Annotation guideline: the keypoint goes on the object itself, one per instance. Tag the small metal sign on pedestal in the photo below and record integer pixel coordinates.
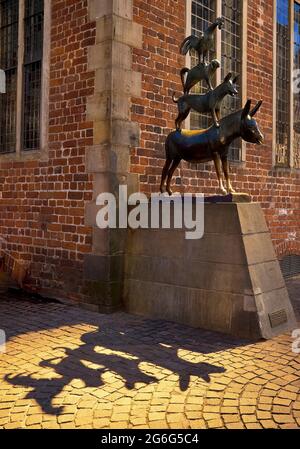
(2, 82)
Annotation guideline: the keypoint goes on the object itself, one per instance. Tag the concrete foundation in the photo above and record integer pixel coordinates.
(228, 281)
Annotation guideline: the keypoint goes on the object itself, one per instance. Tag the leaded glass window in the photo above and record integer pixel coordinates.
(231, 60)
(287, 149)
(34, 22)
(203, 14)
(21, 26)
(9, 17)
(296, 87)
(282, 83)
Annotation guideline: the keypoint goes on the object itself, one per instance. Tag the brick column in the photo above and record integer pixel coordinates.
(114, 134)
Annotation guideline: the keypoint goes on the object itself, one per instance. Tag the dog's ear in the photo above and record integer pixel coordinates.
(228, 77)
(235, 80)
(246, 109)
(256, 108)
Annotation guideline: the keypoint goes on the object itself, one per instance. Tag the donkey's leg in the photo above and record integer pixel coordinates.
(226, 170)
(175, 164)
(218, 167)
(165, 174)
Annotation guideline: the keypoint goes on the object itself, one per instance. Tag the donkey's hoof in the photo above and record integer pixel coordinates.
(170, 192)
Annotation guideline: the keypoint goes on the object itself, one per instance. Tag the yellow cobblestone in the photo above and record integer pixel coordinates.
(76, 369)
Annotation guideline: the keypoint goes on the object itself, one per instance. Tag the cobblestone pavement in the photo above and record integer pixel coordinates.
(66, 368)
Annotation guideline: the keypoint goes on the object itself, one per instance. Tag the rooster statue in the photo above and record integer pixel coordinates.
(203, 44)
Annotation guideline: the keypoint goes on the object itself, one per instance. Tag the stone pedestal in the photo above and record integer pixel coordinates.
(228, 281)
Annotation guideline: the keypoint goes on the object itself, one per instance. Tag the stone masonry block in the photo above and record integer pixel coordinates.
(109, 54)
(100, 8)
(103, 268)
(109, 241)
(229, 281)
(119, 80)
(119, 29)
(120, 106)
(103, 159)
(91, 210)
(98, 159)
(102, 106)
(125, 133)
(99, 107)
(102, 131)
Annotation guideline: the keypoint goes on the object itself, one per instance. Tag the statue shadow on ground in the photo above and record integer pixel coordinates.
(126, 354)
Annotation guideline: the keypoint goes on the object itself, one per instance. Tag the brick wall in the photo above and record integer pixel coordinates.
(277, 190)
(42, 202)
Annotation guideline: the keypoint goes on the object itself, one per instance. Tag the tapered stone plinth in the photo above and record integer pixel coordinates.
(228, 281)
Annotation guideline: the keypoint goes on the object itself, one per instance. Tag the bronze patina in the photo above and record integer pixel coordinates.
(204, 43)
(210, 102)
(210, 144)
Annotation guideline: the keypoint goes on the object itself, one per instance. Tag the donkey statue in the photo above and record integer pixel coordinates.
(211, 144)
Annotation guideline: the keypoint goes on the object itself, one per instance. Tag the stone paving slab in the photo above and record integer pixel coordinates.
(68, 368)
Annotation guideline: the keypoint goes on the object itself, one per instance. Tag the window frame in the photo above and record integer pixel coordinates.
(243, 74)
(42, 151)
(291, 161)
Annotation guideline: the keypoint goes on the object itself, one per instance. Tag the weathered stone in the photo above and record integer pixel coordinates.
(119, 29)
(228, 281)
(251, 218)
(102, 132)
(120, 80)
(109, 54)
(105, 158)
(100, 8)
(195, 275)
(258, 248)
(90, 213)
(125, 133)
(98, 159)
(103, 268)
(109, 241)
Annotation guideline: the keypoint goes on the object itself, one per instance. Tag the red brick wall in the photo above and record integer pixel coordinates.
(277, 190)
(42, 203)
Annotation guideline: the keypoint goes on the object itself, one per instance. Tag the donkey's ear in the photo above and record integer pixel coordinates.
(246, 109)
(256, 108)
(227, 77)
(235, 80)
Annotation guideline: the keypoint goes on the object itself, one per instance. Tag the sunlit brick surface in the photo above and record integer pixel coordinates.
(67, 368)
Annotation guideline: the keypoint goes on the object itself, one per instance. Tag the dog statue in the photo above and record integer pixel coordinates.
(201, 72)
(209, 102)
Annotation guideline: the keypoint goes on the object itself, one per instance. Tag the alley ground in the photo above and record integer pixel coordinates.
(65, 368)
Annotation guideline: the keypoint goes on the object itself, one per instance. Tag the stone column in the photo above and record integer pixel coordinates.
(114, 134)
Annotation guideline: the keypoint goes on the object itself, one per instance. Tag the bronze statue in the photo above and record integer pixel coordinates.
(209, 102)
(211, 144)
(203, 44)
(201, 72)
